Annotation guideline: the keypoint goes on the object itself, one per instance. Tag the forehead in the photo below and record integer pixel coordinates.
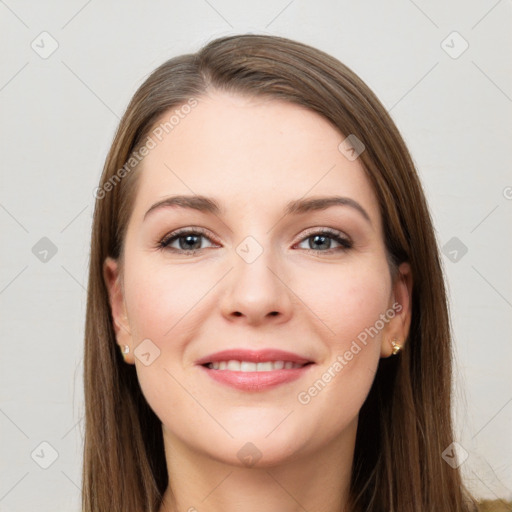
(250, 154)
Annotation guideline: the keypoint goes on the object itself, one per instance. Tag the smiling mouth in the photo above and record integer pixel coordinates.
(250, 366)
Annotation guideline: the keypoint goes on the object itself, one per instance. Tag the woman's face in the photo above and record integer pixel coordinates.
(263, 280)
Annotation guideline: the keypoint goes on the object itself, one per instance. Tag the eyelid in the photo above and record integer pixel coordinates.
(320, 230)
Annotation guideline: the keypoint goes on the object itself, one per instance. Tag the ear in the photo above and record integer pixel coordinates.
(112, 277)
(399, 325)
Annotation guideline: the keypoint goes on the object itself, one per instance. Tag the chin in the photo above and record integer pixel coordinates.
(259, 449)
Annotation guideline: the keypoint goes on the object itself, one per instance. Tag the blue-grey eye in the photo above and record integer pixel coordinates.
(322, 241)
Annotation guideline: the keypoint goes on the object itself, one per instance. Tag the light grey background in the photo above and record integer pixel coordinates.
(58, 117)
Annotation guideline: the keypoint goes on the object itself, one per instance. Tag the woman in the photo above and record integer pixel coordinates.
(267, 325)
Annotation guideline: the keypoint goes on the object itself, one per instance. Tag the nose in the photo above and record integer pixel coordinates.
(256, 291)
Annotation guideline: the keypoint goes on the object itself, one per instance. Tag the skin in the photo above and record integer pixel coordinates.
(253, 155)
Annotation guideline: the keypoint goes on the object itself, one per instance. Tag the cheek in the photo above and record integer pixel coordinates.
(161, 304)
(351, 305)
(159, 298)
(348, 299)
(165, 304)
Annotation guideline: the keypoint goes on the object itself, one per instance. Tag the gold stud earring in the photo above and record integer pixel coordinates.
(396, 347)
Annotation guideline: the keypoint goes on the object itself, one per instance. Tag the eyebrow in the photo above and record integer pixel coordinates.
(297, 207)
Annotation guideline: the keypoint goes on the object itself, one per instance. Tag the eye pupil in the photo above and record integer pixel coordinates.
(322, 243)
(189, 239)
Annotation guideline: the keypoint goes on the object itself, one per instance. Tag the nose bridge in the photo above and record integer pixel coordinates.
(255, 285)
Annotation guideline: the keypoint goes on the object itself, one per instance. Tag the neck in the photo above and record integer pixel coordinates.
(316, 480)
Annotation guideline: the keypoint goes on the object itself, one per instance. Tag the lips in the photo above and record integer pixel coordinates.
(249, 366)
(254, 356)
(251, 370)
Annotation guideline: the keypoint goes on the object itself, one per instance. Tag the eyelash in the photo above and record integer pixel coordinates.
(163, 244)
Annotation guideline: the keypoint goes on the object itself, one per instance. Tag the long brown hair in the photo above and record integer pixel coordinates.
(405, 423)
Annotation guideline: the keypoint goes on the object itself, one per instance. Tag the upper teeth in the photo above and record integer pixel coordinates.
(249, 366)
